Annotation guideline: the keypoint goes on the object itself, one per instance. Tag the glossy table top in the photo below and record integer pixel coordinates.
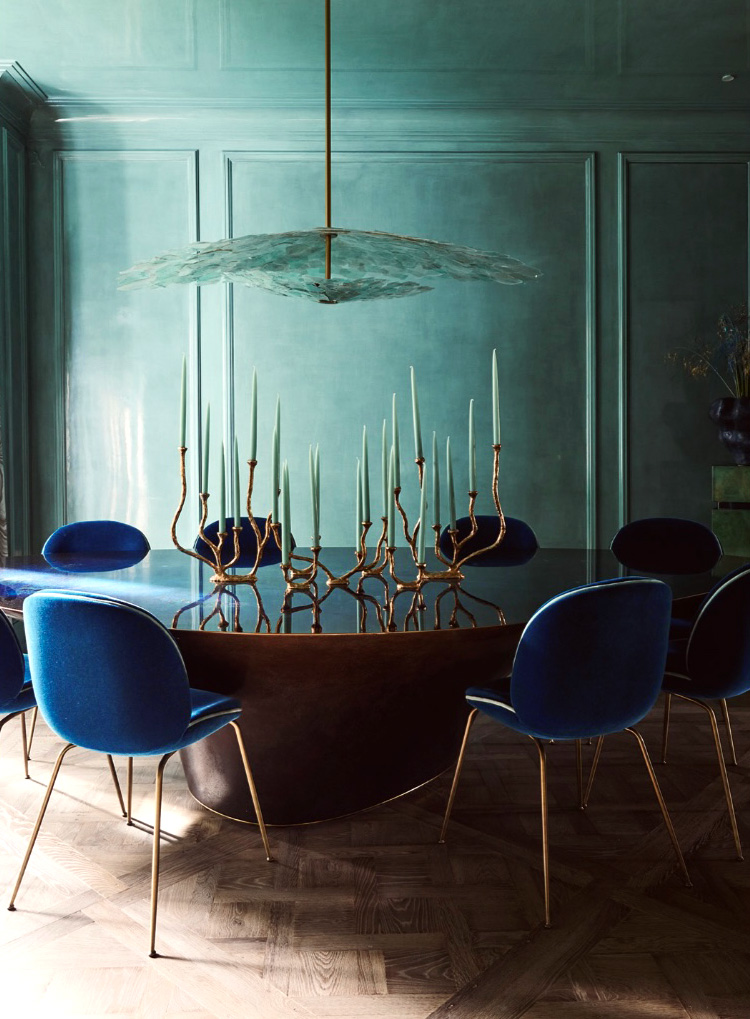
(178, 591)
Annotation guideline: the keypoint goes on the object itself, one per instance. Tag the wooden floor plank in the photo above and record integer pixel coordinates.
(368, 917)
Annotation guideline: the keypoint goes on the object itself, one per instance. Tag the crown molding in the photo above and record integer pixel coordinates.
(20, 95)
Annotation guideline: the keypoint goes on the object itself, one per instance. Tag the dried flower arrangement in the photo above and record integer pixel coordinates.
(727, 355)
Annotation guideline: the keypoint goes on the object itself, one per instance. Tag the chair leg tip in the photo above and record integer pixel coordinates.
(11, 908)
(153, 955)
(740, 857)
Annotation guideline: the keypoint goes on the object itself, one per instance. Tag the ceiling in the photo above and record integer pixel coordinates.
(517, 51)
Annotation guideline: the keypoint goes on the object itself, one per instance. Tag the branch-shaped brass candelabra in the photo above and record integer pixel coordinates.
(304, 578)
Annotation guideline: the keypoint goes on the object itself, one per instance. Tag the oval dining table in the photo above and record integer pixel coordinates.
(349, 699)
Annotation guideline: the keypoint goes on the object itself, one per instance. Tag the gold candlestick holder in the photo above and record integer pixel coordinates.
(216, 563)
(304, 577)
(361, 556)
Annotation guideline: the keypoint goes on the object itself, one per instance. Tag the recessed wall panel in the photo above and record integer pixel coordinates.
(336, 368)
(122, 351)
(104, 33)
(420, 35)
(685, 37)
(687, 232)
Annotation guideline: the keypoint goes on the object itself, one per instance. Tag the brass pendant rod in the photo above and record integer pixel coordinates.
(328, 135)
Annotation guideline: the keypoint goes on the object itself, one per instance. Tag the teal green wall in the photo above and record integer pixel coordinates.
(14, 426)
(601, 147)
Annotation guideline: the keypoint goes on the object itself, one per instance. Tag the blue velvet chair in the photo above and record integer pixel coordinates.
(109, 677)
(518, 546)
(666, 545)
(590, 662)
(103, 545)
(713, 664)
(248, 543)
(16, 693)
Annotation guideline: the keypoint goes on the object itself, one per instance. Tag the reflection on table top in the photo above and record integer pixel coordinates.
(178, 591)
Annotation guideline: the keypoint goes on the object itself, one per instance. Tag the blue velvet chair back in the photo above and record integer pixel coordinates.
(591, 660)
(667, 545)
(93, 537)
(718, 651)
(248, 543)
(107, 675)
(517, 547)
(12, 667)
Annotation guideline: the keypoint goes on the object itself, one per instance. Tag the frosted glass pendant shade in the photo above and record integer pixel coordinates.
(366, 265)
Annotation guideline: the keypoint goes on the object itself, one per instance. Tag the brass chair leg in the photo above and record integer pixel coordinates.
(24, 745)
(34, 714)
(457, 773)
(37, 826)
(130, 791)
(253, 791)
(579, 772)
(545, 830)
(665, 730)
(116, 781)
(592, 773)
(662, 806)
(722, 769)
(728, 726)
(153, 954)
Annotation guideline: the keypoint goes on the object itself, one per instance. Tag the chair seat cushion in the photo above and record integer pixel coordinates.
(679, 629)
(677, 656)
(208, 713)
(25, 698)
(678, 682)
(497, 705)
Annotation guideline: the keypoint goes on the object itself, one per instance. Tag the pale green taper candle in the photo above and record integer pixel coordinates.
(397, 448)
(183, 402)
(435, 481)
(275, 477)
(358, 521)
(206, 441)
(385, 469)
(237, 514)
(314, 500)
(286, 521)
(365, 477)
(422, 520)
(415, 415)
(222, 493)
(317, 491)
(495, 402)
(392, 499)
(472, 450)
(449, 481)
(277, 422)
(254, 417)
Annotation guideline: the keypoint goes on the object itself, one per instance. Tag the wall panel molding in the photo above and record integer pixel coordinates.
(14, 385)
(627, 160)
(60, 346)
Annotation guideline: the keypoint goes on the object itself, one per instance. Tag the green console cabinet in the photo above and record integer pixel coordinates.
(730, 516)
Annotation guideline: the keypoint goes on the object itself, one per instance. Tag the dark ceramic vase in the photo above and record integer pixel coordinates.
(732, 415)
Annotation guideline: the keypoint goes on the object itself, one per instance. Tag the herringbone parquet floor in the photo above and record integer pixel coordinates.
(368, 917)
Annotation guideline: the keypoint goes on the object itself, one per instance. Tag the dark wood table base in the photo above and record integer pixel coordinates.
(335, 723)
